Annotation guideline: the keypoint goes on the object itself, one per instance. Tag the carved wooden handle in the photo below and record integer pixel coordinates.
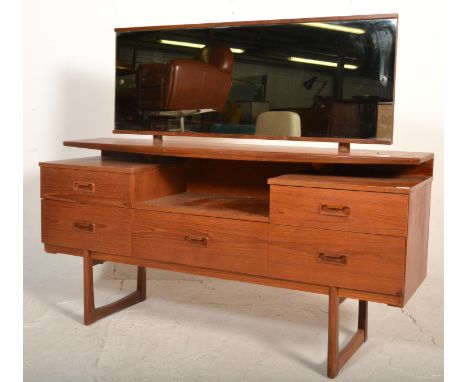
(332, 259)
(203, 241)
(327, 209)
(83, 186)
(82, 226)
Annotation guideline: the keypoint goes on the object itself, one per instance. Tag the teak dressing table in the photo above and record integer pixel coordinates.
(340, 222)
(345, 224)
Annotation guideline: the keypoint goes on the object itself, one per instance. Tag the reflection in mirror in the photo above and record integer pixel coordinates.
(291, 81)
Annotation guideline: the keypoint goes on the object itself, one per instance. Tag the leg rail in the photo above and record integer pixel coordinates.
(91, 313)
(337, 358)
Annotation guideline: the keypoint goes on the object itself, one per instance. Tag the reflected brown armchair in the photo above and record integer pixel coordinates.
(186, 86)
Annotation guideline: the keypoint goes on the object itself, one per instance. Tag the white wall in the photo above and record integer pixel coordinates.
(69, 79)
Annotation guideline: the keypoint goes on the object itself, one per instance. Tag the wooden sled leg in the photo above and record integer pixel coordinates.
(91, 313)
(336, 358)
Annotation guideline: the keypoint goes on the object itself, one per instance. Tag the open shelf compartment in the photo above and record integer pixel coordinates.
(214, 205)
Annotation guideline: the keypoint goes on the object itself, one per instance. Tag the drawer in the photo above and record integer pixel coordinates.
(76, 225)
(342, 210)
(217, 243)
(98, 187)
(373, 263)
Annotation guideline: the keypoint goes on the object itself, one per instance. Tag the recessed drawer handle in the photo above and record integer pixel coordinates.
(83, 186)
(326, 209)
(332, 259)
(198, 241)
(88, 227)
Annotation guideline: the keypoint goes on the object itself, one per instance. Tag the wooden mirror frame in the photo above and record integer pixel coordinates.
(343, 142)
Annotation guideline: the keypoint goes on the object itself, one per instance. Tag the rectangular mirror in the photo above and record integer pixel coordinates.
(310, 79)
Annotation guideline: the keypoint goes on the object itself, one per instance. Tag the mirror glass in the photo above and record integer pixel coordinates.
(316, 80)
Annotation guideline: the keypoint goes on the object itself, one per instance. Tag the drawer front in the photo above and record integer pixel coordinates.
(373, 263)
(353, 211)
(224, 244)
(98, 187)
(76, 225)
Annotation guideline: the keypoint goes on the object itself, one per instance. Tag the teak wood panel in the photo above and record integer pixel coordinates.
(86, 226)
(366, 262)
(104, 164)
(233, 276)
(236, 178)
(91, 312)
(374, 170)
(353, 211)
(418, 240)
(226, 244)
(68, 184)
(396, 185)
(112, 188)
(159, 182)
(242, 152)
(222, 206)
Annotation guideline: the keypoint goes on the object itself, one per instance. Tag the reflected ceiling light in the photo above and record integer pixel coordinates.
(314, 62)
(335, 27)
(237, 50)
(194, 45)
(320, 62)
(182, 43)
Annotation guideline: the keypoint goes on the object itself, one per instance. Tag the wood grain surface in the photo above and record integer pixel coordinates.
(103, 163)
(234, 245)
(373, 263)
(232, 276)
(84, 186)
(86, 226)
(418, 240)
(242, 152)
(202, 204)
(396, 185)
(110, 181)
(237, 178)
(342, 210)
(159, 182)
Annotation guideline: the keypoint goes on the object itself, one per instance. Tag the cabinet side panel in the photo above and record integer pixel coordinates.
(162, 181)
(417, 242)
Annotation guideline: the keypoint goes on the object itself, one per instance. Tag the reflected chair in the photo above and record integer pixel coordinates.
(186, 86)
(278, 123)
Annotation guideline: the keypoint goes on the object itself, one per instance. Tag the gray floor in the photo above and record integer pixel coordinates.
(199, 329)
